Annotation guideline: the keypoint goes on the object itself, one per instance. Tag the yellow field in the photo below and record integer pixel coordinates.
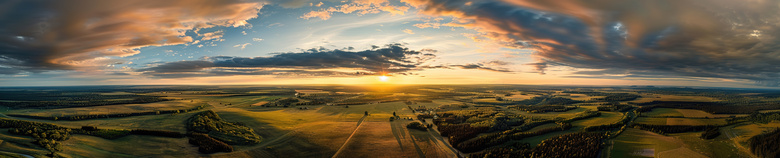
(487, 100)
(719, 147)
(639, 143)
(581, 97)
(742, 132)
(553, 115)
(605, 118)
(141, 146)
(519, 96)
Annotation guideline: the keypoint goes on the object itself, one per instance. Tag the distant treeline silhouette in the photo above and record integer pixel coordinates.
(98, 100)
(113, 115)
(711, 107)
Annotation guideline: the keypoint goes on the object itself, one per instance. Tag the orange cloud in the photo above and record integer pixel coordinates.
(73, 32)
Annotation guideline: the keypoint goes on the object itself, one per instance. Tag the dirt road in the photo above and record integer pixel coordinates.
(350, 136)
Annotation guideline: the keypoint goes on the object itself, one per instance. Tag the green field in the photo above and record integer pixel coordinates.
(111, 109)
(670, 112)
(679, 121)
(638, 143)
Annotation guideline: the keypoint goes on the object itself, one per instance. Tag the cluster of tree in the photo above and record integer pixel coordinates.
(103, 133)
(582, 115)
(159, 133)
(546, 100)
(614, 106)
(11, 123)
(421, 109)
(459, 132)
(231, 133)
(286, 102)
(417, 125)
(486, 141)
(512, 150)
(574, 145)
(766, 145)
(710, 133)
(208, 145)
(422, 117)
(112, 115)
(763, 117)
(532, 123)
(664, 129)
(542, 108)
(616, 97)
(45, 138)
(46, 135)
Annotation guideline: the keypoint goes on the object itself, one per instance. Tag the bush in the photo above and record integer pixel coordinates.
(710, 133)
(417, 125)
(231, 133)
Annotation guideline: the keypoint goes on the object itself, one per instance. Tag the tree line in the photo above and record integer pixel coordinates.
(485, 141)
(572, 145)
(112, 115)
(98, 101)
(765, 145)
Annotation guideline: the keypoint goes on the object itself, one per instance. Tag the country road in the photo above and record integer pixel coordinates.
(350, 136)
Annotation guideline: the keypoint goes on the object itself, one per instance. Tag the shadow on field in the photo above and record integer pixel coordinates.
(276, 142)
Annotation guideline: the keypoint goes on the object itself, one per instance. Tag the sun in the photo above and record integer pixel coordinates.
(384, 78)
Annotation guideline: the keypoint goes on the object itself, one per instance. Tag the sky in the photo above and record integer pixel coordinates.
(716, 43)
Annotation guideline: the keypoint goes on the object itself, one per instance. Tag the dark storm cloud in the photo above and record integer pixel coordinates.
(9, 71)
(40, 35)
(391, 59)
(480, 67)
(685, 38)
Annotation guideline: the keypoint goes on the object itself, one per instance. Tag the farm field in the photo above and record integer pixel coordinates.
(110, 109)
(662, 97)
(357, 122)
(638, 143)
(680, 121)
(670, 112)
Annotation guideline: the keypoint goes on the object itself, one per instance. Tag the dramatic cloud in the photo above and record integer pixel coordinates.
(480, 67)
(40, 35)
(661, 38)
(391, 59)
(359, 7)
